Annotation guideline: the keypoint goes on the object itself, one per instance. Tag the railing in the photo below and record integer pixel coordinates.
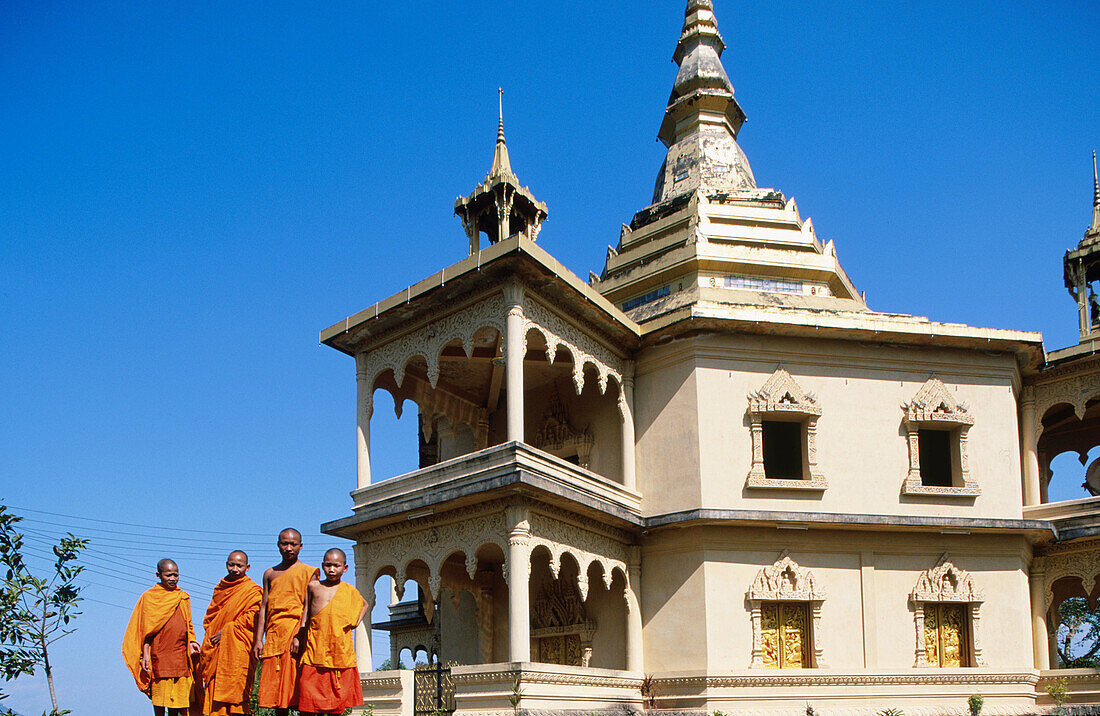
(1072, 518)
(434, 690)
(486, 469)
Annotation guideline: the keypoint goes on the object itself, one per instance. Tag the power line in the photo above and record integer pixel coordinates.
(110, 604)
(132, 524)
(138, 534)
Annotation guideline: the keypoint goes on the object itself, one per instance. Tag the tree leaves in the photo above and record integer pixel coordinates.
(34, 610)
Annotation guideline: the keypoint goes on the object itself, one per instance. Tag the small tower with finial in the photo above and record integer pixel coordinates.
(1082, 268)
(499, 207)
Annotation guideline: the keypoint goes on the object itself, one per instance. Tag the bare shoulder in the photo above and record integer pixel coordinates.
(268, 574)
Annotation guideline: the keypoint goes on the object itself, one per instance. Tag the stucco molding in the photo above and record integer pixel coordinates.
(781, 398)
(545, 677)
(934, 407)
(428, 341)
(785, 581)
(1084, 564)
(807, 678)
(947, 583)
(1074, 389)
(433, 545)
(586, 547)
(584, 350)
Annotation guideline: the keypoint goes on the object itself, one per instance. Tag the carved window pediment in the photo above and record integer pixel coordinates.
(782, 395)
(934, 403)
(946, 584)
(935, 416)
(558, 437)
(785, 582)
(774, 411)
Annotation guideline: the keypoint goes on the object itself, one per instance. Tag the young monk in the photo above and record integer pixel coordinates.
(160, 641)
(330, 677)
(227, 646)
(284, 598)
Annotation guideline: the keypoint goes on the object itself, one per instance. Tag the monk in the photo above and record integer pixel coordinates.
(329, 682)
(227, 646)
(277, 622)
(159, 643)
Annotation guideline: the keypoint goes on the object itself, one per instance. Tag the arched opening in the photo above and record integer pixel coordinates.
(1075, 620)
(393, 431)
(567, 415)
(1069, 452)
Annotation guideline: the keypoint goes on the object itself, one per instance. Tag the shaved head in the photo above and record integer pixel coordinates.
(291, 532)
(164, 564)
(240, 554)
(336, 552)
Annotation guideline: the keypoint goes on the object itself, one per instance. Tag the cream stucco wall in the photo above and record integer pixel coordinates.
(674, 613)
(861, 443)
(867, 620)
(667, 431)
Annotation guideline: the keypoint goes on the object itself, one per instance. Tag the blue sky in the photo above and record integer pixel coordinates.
(191, 192)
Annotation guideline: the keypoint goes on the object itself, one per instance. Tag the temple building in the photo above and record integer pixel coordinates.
(711, 477)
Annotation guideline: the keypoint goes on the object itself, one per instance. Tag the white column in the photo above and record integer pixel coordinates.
(364, 408)
(1029, 439)
(626, 412)
(513, 360)
(635, 655)
(1040, 643)
(365, 585)
(519, 572)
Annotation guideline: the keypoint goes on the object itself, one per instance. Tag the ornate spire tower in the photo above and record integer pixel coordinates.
(702, 118)
(499, 207)
(1082, 268)
(712, 239)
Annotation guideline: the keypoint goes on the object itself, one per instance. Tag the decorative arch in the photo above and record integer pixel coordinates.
(1074, 390)
(584, 350)
(785, 581)
(584, 547)
(433, 545)
(782, 399)
(947, 583)
(935, 408)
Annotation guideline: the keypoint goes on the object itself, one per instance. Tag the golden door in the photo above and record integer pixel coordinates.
(785, 635)
(565, 649)
(945, 633)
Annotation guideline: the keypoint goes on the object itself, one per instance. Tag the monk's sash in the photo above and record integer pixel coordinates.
(232, 612)
(153, 610)
(328, 641)
(286, 598)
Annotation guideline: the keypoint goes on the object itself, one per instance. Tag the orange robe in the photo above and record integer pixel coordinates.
(330, 677)
(151, 613)
(225, 666)
(286, 597)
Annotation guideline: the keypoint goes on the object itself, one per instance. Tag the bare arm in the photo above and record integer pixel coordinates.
(258, 631)
(299, 639)
(146, 658)
(362, 612)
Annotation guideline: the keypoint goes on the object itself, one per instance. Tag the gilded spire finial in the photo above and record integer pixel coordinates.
(1095, 182)
(502, 166)
(1094, 230)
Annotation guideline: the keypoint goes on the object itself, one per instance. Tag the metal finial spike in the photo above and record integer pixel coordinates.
(1095, 182)
(500, 114)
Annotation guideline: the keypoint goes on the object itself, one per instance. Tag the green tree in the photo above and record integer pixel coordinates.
(35, 612)
(1078, 634)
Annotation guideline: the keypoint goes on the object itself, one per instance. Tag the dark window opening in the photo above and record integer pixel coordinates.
(934, 453)
(783, 450)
